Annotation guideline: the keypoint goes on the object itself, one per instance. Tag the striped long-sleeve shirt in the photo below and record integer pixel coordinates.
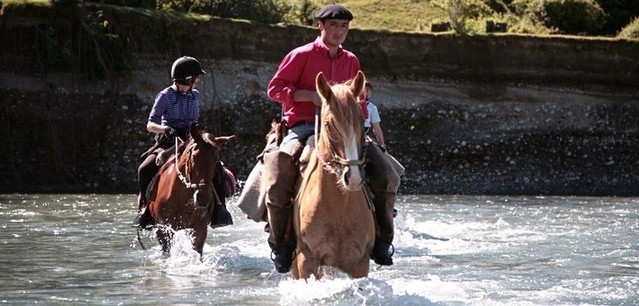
(175, 109)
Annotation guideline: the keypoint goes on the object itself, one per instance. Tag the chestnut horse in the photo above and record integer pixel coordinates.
(333, 221)
(185, 196)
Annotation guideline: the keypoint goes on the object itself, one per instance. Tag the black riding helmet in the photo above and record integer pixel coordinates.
(185, 69)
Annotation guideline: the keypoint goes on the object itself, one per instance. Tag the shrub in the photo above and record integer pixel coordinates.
(631, 31)
(565, 16)
(465, 16)
(78, 39)
(575, 16)
(265, 11)
(302, 12)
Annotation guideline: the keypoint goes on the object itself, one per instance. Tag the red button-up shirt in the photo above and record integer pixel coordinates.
(298, 70)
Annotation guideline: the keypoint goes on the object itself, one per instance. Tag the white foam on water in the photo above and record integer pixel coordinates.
(337, 289)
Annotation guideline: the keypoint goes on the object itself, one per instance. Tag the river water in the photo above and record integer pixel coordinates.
(449, 250)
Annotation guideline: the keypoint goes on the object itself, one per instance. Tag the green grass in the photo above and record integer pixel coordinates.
(25, 3)
(383, 15)
(397, 15)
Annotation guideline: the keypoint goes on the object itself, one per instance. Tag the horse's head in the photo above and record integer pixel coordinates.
(196, 166)
(341, 139)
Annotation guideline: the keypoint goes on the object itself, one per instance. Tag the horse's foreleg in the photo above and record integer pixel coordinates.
(295, 271)
(305, 266)
(199, 238)
(164, 238)
(361, 270)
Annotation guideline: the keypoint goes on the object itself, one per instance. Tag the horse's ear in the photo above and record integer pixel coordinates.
(358, 84)
(194, 130)
(223, 139)
(323, 88)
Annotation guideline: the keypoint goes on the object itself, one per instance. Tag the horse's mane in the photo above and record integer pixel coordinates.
(335, 120)
(207, 137)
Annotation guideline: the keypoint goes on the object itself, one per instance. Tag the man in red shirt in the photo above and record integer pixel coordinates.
(294, 87)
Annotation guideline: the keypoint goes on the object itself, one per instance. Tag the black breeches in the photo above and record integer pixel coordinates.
(146, 172)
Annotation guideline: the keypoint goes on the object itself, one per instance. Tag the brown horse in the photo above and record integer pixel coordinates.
(333, 221)
(185, 196)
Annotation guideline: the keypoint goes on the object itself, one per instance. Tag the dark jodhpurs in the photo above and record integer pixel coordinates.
(146, 172)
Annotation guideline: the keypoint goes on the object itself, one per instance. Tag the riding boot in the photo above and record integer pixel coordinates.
(280, 176)
(281, 246)
(383, 182)
(144, 219)
(221, 216)
(384, 217)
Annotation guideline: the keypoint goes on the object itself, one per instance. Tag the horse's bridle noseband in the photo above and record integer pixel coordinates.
(337, 160)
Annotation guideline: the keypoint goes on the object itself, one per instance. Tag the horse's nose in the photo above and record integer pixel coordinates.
(352, 179)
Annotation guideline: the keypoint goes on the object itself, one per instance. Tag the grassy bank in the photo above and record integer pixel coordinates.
(398, 15)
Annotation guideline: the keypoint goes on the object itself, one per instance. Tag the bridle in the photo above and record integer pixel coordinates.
(186, 180)
(330, 165)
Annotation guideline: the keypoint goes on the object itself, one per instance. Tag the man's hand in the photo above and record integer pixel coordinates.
(316, 99)
(383, 147)
(303, 95)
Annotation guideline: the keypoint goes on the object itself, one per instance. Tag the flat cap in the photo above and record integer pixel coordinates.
(333, 11)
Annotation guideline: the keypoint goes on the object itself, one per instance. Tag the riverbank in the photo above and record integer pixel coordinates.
(490, 114)
(452, 138)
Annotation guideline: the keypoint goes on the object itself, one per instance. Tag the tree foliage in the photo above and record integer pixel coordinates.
(575, 17)
(462, 12)
(631, 31)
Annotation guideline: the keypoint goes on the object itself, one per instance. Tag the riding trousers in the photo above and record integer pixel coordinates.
(298, 134)
(381, 177)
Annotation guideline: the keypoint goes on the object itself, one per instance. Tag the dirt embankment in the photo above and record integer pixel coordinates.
(465, 115)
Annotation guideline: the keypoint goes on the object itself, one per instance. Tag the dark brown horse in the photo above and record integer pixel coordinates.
(185, 196)
(333, 221)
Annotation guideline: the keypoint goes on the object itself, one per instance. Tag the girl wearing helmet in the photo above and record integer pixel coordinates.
(174, 109)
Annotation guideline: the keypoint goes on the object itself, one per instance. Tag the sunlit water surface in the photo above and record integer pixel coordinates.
(449, 250)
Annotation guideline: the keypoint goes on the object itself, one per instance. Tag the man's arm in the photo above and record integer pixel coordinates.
(303, 95)
(283, 86)
(377, 130)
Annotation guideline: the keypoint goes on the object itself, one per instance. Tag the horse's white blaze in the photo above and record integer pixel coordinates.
(195, 195)
(355, 178)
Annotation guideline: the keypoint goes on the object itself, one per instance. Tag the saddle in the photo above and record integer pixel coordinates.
(252, 199)
(224, 180)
